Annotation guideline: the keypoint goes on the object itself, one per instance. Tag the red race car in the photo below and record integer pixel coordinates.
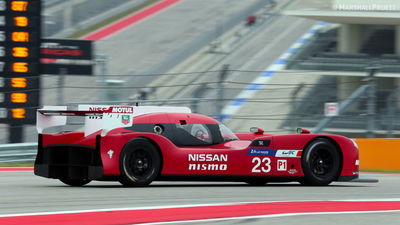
(137, 145)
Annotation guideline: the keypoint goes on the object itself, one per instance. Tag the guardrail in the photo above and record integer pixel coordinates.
(18, 153)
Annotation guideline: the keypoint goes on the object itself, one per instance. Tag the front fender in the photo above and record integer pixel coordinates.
(349, 151)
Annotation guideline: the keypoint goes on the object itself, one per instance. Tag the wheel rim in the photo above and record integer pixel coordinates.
(139, 163)
(321, 162)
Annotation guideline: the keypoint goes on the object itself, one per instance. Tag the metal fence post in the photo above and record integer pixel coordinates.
(294, 106)
(103, 71)
(220, 94)
(197, 95)
(371, 104)
(60, 86)
(67, 15)
(391, 106)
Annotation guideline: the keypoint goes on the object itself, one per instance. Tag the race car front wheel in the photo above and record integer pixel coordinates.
(139, 163)
(321, 163)
(75, 182)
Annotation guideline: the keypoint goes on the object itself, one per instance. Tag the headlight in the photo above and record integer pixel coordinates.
(354, 143)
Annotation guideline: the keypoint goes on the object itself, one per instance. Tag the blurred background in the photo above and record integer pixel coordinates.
(273, 64)
(330, 66)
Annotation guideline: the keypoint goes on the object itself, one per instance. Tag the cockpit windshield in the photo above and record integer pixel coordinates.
(227, 134)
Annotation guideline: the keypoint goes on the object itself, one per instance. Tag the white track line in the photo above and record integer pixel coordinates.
(188, 206)
(273, 216)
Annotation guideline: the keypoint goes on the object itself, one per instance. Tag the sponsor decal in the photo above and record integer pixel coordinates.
(66, 49)
(260, 143)
(260, 151)
(125, 119)
(125, 109)
(208, 158)
(110, 153)
(261, 165)
(98, 108)
(288, 153)
(47, 51)
(282, 165)
(215, 167)
(113, 109)
(292, 171)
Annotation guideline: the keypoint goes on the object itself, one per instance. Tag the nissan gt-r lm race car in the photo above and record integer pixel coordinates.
(141, 144)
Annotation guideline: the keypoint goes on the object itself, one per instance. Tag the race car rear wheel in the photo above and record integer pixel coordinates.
(321, 163)
(139, 163)
(75, 182)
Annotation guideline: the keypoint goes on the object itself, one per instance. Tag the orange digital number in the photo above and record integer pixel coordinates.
(21, 52)
(19, 82)
(21, 21)
(20, 67)
(20, 36)
(18, 113)
(19, 6)
(19, 97)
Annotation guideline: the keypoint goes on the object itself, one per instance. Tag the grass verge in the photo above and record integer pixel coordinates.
(16, 164)
(110, 20)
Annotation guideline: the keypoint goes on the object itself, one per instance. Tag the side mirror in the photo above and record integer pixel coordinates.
(302, 131)
(256, 130)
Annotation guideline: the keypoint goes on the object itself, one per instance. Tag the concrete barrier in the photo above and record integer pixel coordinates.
(379, 154)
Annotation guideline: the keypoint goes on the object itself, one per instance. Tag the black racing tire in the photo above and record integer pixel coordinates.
(321, 163)
(140, 163)
(257, 182)
(75, 182)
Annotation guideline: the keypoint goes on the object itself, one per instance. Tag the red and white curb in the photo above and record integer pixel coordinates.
(15, 169)
(130, 20)
(125, 22)
(202, 213)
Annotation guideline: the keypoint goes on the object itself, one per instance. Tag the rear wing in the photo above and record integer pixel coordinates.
(98, 117)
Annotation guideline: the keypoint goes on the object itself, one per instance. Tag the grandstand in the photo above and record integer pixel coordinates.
(355, 39)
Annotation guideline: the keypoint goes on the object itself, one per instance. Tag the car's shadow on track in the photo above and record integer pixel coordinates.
(238, 185)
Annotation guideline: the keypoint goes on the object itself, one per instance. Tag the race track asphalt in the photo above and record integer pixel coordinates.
(22, 192)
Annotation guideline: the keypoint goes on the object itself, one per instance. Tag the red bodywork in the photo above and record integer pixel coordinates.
(228, 159)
